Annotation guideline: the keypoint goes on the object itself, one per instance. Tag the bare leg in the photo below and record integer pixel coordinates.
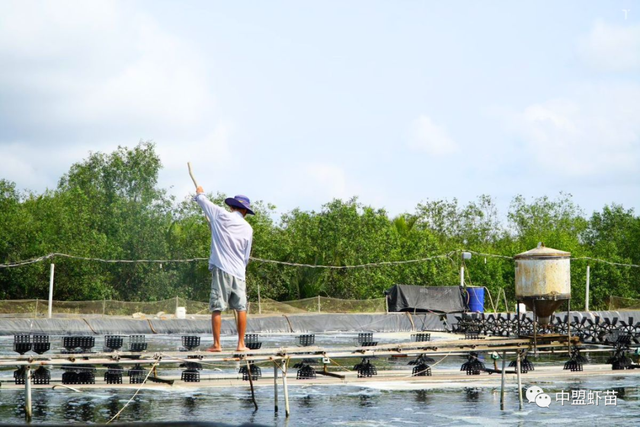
(242, 327)
(216, 325)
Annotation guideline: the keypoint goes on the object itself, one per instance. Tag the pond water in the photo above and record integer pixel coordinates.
(338, 405)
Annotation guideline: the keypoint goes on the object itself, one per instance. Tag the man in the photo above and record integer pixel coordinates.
(231, 238)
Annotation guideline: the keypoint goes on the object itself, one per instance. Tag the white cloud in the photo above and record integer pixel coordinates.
(595, 132)
(328, 179)
(90, 62)
(79, 76)
(34, 170)
(612, 47)
(428, 137)
(313, 184)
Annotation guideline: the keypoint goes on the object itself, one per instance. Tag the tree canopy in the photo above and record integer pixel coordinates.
(109, 206)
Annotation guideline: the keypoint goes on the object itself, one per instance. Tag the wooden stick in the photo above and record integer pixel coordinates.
(196, 184)
(253, 394)
(191, 174)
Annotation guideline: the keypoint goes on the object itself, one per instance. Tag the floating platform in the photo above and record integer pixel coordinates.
(385, 380)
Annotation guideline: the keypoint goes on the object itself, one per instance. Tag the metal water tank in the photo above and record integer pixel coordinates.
(543, 280)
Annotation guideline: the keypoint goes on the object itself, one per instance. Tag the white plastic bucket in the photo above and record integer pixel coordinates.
(181, 312)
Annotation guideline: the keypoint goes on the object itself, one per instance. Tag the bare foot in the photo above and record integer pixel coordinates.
(214, 349)
(243, 348)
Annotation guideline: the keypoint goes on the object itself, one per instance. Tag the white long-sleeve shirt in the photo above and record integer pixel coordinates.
(231, 238)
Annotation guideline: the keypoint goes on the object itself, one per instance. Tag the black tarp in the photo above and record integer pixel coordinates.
(438, 299)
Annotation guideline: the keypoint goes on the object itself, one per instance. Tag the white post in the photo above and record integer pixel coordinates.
(586, 297)
(51, 290)
(259, 303)
(286, 389)
(318, 303)
(27, 393)
(462, 276)
(518, 368)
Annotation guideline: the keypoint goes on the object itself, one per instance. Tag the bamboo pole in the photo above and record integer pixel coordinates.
(285, 362)
(518, 368)
(27, 394)
(51, 273)
(586, 296)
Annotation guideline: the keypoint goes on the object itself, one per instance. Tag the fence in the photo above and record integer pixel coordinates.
(620, 303)
(39, 308)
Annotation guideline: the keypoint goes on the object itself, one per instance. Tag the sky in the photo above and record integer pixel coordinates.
(297, 103)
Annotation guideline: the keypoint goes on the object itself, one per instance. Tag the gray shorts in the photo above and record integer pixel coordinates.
(227, 291)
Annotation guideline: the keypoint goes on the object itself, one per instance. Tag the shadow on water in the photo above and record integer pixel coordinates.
(422, 396)
(306, 401)
(190, 405)
(630, 394)
(113, 406)
(137, 409)
(471, 394)
(367, 401)
(246, 401)
(40, 405)
(79, 410)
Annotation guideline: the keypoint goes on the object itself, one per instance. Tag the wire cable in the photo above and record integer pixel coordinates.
(157, 362)
(291, 264)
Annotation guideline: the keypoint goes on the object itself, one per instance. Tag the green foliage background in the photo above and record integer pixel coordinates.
(108, 206)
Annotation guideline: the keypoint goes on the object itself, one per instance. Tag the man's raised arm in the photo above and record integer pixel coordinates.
(210, 210)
